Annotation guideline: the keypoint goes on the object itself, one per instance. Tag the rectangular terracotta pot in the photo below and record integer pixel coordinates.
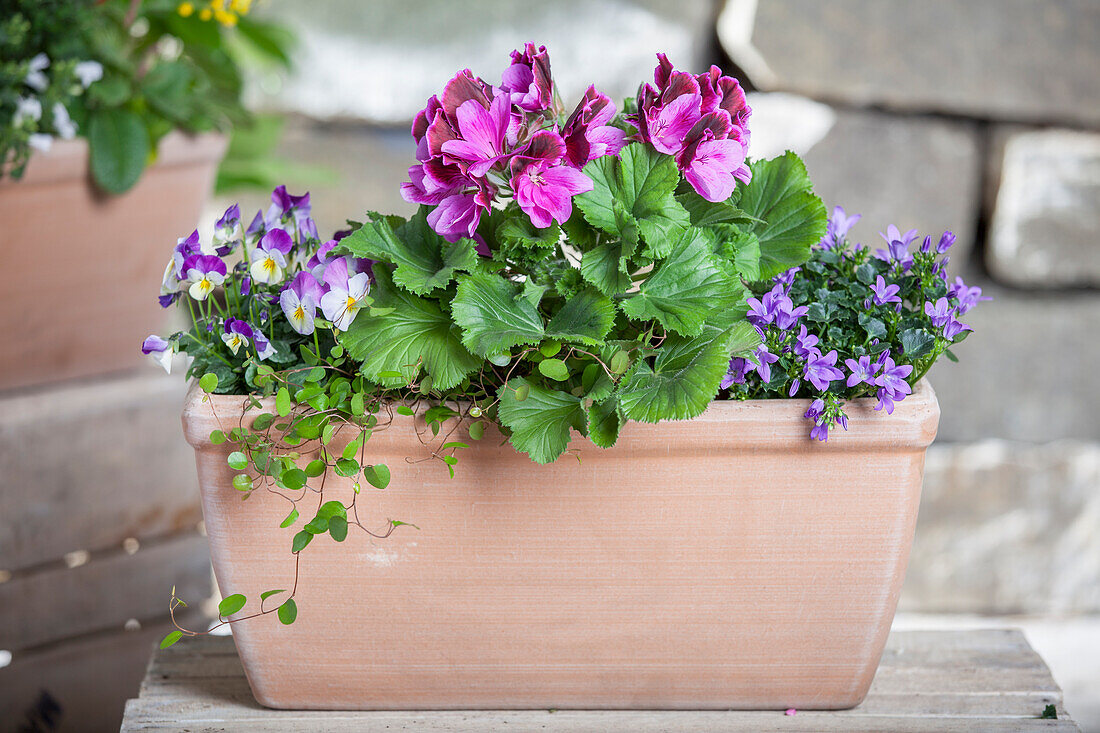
(722, 562)
(82, 270)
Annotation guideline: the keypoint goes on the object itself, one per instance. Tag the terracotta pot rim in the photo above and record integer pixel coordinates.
(913, 423)
(68, 159)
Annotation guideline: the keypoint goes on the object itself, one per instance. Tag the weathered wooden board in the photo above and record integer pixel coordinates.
(85, 465)
(62, 603)
(929, 681)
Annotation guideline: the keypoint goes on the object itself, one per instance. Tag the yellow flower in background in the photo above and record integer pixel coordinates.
(225, 12)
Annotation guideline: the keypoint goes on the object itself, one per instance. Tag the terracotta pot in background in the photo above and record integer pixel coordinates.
(81, 270)
(722, 562)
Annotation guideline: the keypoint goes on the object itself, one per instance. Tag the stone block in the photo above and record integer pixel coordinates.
(1047, 213)
(1008, 527)
(87, 465)
(909, 171)
(1026, 373)
(1000, 59)
(380, 61)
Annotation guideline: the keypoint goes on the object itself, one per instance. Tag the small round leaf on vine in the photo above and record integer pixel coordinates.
(231, 604)
(288, 612)
(209, 382)
(171, 638)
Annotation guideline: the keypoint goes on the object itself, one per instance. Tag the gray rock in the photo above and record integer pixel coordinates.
(1008, 528)
(909, 171)
(1003, 59)
(1026, 373)
(1047, 214)
(380, 61)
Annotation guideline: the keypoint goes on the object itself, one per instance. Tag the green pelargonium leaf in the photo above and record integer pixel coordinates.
(425, 261)
(493, 315)
(643, 182)
(540, 423)
(793, 218)
(687, 287)
(685, 375)
(416, 332)
(586, 317)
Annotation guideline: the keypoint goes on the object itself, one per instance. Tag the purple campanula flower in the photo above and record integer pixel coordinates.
(786, 278)
(587, 133)
(805, 343)
(787, 316)
(820, 431)
(545, 192)
(891, 380)
(816, 414)
(926, 245)
(863, 371)
(269, 257)
(953, 328)
(883, 293)
(795, 385)
(968, 297)
(838, 227)
(159, 350)
(897, 247)
(940, 313)
(204, 272)
(528, 81)
(236, 333)
(763, 365)
(945, 243)
(345, 295)
(299, 301)
(820, 369)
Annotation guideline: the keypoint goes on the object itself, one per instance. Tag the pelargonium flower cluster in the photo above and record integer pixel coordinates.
(254, 292)
(478, 144)
(850, 323)
(700, 119)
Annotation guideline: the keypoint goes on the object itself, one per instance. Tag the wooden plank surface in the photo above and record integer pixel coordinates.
(989, 680)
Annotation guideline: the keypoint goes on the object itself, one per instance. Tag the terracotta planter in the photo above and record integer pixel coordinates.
(722, 562)
(61, 237)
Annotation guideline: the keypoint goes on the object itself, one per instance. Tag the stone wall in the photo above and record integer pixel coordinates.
(980, 117)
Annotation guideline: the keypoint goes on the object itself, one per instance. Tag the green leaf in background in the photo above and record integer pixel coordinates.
(425, 261)
(119, 148)
(643, 182)
(415, 332)
(781, 194)
(585, 318)
(605, 267)
(231, 604)
(685, 288)
(492, 317)
(916, 342)
(685, 375)
(541, 422)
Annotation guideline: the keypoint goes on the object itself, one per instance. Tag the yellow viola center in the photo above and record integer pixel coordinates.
(300, 313)
(351, 303)
(269, 265)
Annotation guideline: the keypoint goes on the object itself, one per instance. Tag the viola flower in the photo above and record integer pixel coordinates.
(346, 293)
(159, 350)
(269, 257)
(883, 293)
(862, 371)
(299, 301)
(545, 192)
(204, 272)
(264, 349)
(236, 333)
(228, 232)
(286, 208)
(36, 78)
(820, 370)
(587, 133)
(528, 81)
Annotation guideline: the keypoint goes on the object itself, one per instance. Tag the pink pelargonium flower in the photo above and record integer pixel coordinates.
(586, 133)
(545, 191)
(703, 121)
(528, 80)
(482, 143)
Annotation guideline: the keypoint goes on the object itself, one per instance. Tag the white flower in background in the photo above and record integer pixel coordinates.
(41, 142)
(89, 72)
(62, 123)
(35, 79)
(27, 108)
